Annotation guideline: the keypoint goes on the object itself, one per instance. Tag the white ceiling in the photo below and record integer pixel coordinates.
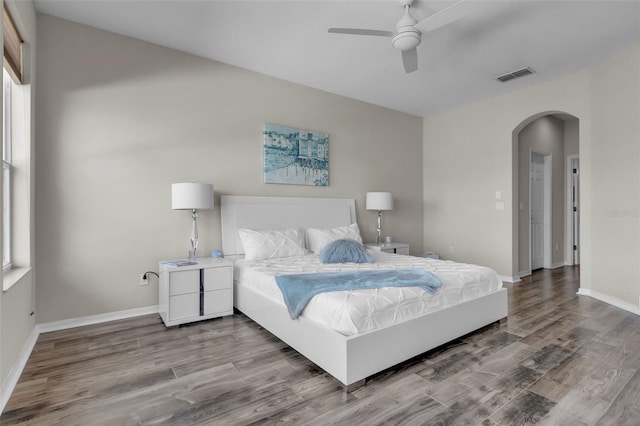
(457, 63)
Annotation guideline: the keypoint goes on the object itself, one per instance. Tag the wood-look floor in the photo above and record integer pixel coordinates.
(558, 359)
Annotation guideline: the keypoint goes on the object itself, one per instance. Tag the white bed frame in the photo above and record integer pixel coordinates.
(349, 359)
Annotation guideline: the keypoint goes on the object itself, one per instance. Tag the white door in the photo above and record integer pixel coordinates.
(536, 188)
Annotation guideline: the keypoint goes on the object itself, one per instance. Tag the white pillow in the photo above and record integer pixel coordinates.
(318, 238)
(270, 243)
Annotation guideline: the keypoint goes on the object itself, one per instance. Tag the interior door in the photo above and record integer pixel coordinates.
(536, 176)
(575, 201)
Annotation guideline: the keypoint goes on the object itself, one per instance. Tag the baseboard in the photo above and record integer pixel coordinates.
(507, 279)
(523, 274)
(16, 370)
(556, 265)
(614, 301)
(95, 319)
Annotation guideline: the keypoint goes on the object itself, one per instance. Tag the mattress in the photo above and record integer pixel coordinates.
(358, 311)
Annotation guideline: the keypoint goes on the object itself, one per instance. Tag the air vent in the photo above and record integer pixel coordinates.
(515, 74)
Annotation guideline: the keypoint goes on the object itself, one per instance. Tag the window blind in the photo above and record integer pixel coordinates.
(12, 47)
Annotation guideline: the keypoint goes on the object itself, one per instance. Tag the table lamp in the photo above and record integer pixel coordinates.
(192, 196)
(379, 201)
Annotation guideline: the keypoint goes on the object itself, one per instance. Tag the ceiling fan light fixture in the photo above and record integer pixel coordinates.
(406, 40)
(409, 31)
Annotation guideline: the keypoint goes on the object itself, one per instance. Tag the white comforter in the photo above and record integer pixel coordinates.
(351, 312)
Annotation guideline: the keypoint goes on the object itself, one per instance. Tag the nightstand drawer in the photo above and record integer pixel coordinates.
(184, 282)
(195, 292)
(217, 301)
(184, 306)
(217, 278)
(402, 250)
(394, 248)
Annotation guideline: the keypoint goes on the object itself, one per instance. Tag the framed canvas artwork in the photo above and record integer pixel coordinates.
(295, 156)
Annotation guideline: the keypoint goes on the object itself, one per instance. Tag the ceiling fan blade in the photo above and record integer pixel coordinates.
(445, 16)
(359, 31)
(410, 60)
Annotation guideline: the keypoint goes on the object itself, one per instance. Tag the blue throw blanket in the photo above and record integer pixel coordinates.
(299, 289)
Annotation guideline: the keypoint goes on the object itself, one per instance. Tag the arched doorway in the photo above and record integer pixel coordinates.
(545, 184)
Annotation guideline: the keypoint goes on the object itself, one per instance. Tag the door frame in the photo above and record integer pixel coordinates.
(570, 256)
(547, 208)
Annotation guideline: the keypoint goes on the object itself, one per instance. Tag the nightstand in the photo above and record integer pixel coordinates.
(195, 292)
(397, 248)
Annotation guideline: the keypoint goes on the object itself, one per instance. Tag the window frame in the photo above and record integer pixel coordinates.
(7, 172)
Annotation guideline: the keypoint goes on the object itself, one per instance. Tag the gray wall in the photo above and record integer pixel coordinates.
(544, 135)
(470, 153)
(119, 120)
(612, 164)
(571, 137)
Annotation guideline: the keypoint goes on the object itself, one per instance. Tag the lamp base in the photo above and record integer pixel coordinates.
(194, 255)
(379, 228)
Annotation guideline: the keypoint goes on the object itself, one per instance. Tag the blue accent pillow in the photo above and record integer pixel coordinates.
(344, 251)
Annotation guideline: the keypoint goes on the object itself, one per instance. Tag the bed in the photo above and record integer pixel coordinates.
(349, 354)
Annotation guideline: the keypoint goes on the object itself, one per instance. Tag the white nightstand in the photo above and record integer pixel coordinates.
(397, 248)
(195, 292)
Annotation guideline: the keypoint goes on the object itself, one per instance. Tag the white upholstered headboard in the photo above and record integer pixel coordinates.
(280, 213)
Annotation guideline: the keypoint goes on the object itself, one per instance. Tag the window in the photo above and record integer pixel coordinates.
(16, 156)
(6, 170)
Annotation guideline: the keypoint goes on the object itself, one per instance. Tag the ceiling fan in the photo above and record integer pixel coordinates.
(409, 31)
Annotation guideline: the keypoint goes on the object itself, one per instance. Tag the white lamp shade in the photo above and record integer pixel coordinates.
(379, 201)
(191, 195)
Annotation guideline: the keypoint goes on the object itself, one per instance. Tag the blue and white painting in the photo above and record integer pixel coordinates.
(295, 157)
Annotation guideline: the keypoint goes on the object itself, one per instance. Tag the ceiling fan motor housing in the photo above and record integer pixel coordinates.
(406, 39)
